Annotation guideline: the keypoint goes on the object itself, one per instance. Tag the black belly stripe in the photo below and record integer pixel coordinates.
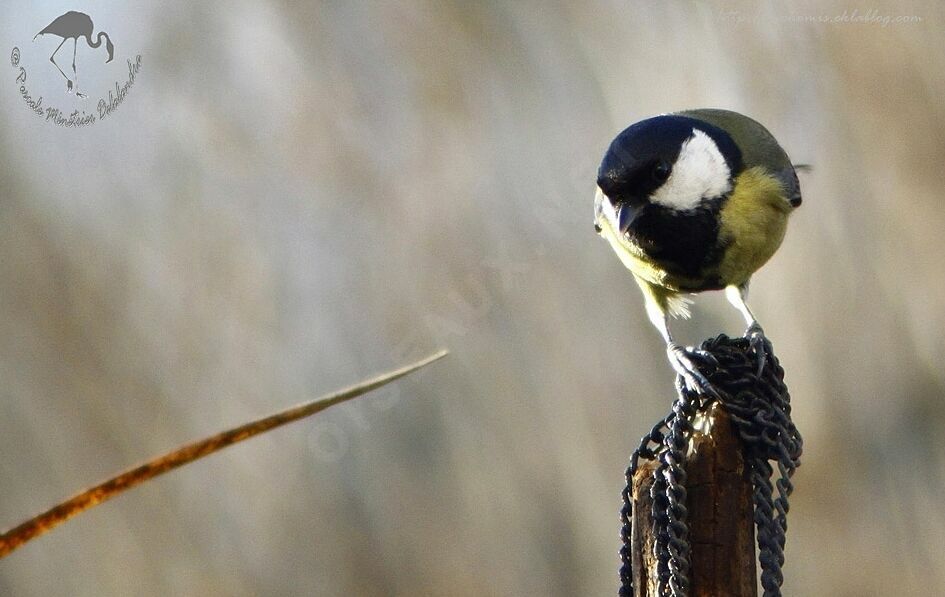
(683, 243)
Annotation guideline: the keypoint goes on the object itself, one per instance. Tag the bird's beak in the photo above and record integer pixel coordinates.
(619, 217)
(626, 213)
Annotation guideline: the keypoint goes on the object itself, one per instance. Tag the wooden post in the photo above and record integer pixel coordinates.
(721, 516)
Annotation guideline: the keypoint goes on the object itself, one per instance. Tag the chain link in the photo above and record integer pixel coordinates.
(760, 409)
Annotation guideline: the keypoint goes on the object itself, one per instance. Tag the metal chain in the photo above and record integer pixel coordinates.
(760, 408)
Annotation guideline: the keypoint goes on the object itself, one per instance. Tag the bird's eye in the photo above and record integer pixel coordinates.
(661, 171)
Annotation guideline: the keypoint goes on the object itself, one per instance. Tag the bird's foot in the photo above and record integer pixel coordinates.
(82, 95)
(758, 344)
(68, 86)
(682, 360)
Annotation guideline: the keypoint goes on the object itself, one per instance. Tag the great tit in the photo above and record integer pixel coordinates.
(693, 201)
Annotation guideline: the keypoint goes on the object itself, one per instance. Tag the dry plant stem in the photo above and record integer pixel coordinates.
(36, 526)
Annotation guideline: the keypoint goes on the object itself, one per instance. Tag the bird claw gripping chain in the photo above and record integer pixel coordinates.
(759, 406)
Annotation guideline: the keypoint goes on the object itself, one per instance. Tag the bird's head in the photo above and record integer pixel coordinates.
(672, 163)
(110, 47)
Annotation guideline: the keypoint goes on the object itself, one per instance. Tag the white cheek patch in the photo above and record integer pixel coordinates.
(700, 172)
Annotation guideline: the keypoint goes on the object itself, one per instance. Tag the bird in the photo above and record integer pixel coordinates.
(694, 201)
(73, 25)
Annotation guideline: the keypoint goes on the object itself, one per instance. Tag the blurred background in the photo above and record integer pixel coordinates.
(294, 196)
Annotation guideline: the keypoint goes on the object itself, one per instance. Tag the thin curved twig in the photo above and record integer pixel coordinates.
(42, 523)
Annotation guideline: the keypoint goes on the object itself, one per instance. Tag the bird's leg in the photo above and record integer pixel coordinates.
(75, 75)
(682, 362)
(53, 60)
(737, 296)
(680, 358)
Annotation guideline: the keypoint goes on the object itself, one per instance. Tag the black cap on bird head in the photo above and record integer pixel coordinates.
(670, 160)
